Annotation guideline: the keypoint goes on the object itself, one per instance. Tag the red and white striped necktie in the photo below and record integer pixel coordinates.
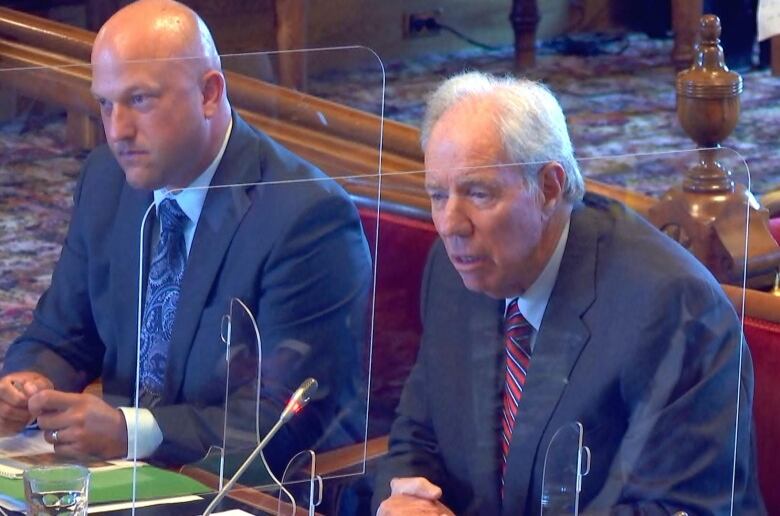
(517, 342)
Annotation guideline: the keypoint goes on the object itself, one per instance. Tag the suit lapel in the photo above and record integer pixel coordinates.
(223, 210)
(560, 340)
(486, 377)
(133, 205)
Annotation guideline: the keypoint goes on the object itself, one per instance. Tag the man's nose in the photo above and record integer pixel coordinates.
(453, 220)
(121, 125)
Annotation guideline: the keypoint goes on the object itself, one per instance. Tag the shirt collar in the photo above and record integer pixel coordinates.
(533, 302)
(191, 198)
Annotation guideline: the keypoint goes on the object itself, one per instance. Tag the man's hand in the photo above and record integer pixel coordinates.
(413, 495)
(86, 426)
(15, 391)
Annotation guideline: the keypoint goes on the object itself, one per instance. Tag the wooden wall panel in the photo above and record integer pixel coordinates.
(242, 26)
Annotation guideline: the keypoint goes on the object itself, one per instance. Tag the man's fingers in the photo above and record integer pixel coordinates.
(71, 451)
(415, 486)
(404, 505)
(24, 384)
(36, 385)
(11, 394)
(50, 400)
(14, 414)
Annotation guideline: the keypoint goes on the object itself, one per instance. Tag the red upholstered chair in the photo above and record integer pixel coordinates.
(762, 333)
(763, 338)
(401, 242)
(403, 246)
(774, 228)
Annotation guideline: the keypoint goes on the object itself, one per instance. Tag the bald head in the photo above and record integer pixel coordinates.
(156, 29)
(157, 78)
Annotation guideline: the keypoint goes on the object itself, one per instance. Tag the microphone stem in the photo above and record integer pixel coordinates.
(244, 466)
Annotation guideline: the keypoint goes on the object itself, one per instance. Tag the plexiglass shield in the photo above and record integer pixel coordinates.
(275, 370)
(678, 435)
(636, 391)
(303, 312)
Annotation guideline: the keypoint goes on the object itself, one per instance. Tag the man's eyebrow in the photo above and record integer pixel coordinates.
(477, 181)
(130, 89)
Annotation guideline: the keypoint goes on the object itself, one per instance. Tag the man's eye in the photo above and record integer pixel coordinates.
(138, 99)
(479, 194)
(436, 196)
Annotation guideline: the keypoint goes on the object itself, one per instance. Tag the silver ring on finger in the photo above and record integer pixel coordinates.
(55, 437)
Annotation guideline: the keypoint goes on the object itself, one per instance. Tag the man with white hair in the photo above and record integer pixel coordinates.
(548, 313)
(294, 254)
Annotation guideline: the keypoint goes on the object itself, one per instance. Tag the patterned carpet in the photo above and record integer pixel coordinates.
(37, 174)
(617, 104)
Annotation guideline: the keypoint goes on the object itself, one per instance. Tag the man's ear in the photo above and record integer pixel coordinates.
(213, 90)
(552, 180)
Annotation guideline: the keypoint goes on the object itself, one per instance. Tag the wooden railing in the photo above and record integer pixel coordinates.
(52, 61)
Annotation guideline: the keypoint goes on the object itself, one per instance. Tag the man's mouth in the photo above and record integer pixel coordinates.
(466, 261)
(130, 156)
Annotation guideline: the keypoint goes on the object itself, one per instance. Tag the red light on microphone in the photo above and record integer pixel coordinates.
(296, 407)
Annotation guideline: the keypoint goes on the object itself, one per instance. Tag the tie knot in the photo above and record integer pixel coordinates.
(517, 326)
(172, 218)
(513, 312)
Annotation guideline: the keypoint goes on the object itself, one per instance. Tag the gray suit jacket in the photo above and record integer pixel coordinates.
(295, 254)
(638, 344)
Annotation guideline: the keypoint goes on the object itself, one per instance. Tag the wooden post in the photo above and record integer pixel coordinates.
(774, 53)
(524, 18)
(291, 29)
(82, 131)
(685, 24)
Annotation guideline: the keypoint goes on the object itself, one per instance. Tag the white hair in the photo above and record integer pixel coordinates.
(529, 118)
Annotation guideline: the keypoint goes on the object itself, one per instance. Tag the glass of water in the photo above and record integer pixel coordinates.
(56, 490)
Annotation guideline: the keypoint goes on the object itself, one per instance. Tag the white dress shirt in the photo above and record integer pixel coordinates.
(533, 302)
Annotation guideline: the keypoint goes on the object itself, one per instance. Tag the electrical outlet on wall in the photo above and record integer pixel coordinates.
(422, 23)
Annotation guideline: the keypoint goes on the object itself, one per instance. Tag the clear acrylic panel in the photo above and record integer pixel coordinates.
(688, 443)
(243, 357)
(290, 298)
(301, 486)
(563, 471)
(312, 319)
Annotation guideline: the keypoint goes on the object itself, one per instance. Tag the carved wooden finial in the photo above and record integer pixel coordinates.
(706, 213)
(708, 107)
(710, 29)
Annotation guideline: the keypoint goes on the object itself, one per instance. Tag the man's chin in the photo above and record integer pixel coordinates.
(483, 285)
(141, 180)
(479, 286)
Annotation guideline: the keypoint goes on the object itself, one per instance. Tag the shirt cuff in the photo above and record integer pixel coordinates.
(147, 435)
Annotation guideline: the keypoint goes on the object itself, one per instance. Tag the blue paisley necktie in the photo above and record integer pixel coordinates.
(162, 296)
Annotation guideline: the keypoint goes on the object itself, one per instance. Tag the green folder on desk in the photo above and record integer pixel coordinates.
(116, 485)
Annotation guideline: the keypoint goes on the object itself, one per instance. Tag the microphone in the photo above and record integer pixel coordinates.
(299, 399)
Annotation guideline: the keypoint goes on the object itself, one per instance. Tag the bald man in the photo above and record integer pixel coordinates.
(294, 255)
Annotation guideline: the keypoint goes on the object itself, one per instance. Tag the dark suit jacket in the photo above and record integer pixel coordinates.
(294, 253)
(638, 344)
